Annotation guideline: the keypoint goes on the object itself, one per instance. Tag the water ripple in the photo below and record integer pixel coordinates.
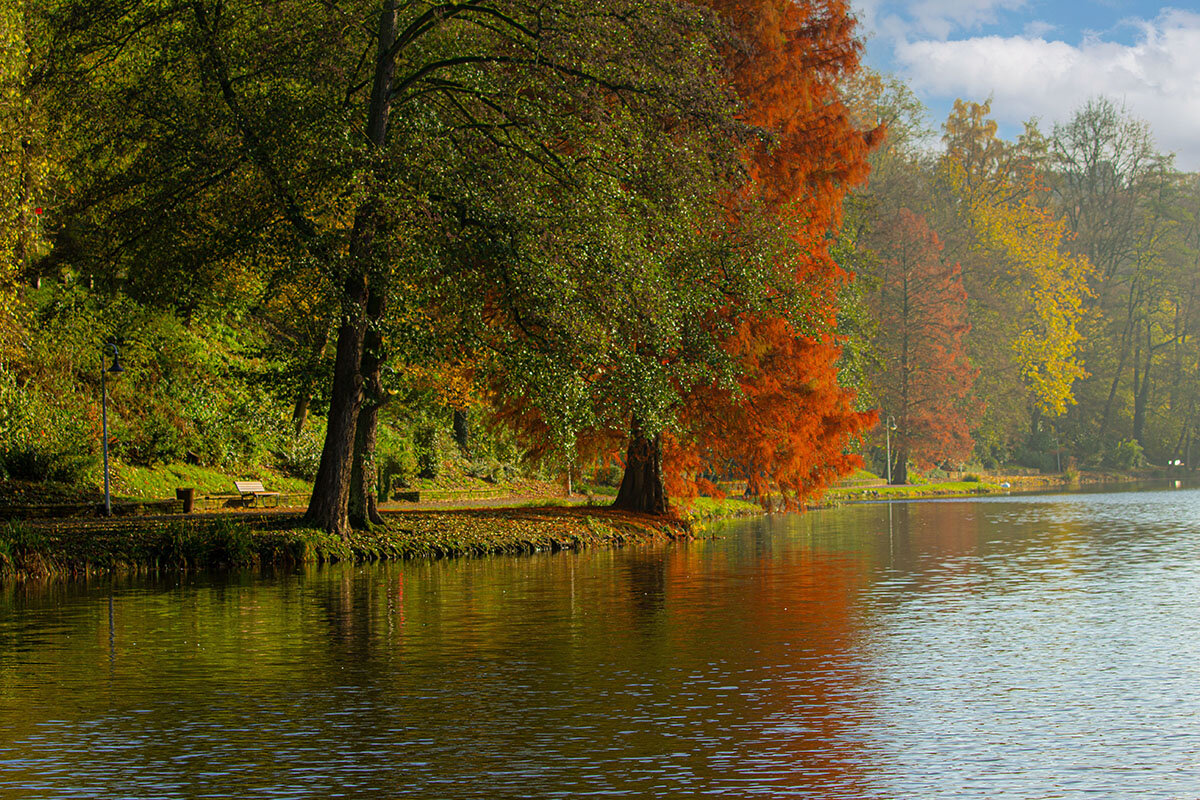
(1032, 647)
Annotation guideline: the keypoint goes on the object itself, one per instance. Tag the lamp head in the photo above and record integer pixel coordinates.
(116, 365)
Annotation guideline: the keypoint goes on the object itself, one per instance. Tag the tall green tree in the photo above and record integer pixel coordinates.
(346, 140)
(1107, 180)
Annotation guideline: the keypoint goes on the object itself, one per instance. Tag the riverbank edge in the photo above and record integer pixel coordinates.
(152, 544)
(992, 485)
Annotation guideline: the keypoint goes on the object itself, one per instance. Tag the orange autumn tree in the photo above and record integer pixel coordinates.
(926, 382)
(787, 427)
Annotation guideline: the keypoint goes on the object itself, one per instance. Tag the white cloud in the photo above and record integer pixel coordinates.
(935, 18)
(938, 18)
(1036, 29)
(1157, 77)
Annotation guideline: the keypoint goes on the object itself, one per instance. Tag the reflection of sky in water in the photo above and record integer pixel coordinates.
(1041, 646)
(1056, 658)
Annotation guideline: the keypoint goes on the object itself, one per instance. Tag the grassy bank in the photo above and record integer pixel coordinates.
(915, 491)
(866, 486)
(708, 509)
(206, 541)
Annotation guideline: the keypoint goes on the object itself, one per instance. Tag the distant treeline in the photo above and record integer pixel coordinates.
(1030, 302)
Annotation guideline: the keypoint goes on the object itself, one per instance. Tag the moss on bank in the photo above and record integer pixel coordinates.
(204, 541)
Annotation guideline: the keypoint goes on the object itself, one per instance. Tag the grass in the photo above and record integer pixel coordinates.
(159, 482)
(709, 508)
(944, 489)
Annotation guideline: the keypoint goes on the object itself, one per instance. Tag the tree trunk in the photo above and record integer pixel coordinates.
(329, 507)
(300, 412)
(331, 490)
(642, 487)
(900, 468)
(304, 395)
(21, 255)
(462, 431)
(1122, 354)
(364, 496)
(1141, 396)
(364, 480)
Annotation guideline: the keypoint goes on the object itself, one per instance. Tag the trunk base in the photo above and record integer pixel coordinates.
(642, 487)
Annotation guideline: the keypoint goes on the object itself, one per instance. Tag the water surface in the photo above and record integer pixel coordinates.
(1027, 647)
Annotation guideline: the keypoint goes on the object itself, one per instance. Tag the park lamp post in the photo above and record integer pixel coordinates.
(116, 368)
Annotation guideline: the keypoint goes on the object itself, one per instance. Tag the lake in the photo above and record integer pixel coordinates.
(1020, 647)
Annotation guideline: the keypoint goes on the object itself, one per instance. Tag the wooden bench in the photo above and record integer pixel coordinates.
(252, 491)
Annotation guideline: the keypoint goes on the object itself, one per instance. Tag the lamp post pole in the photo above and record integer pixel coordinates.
(116, 367)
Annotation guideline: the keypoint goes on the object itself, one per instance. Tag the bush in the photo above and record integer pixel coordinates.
(971, 478)
(21, 547)
(44, 436)
(301, 457)
(493, 471)
(395, 459)
(608, 474)
(1126, 454)
(230, 543)
(158, 438)
(426, 442)
(990, 451)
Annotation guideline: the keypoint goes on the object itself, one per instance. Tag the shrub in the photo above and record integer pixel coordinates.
(396, 460)
(608, 474)
(1126, 454)
(428, 453)
(301, 457)
(44, 436)
(158, 438)
(493, 471)
(21, 547)
(231, 543)
(970, 478)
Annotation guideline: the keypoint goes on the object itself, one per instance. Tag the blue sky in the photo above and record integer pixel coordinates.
(1044, 59)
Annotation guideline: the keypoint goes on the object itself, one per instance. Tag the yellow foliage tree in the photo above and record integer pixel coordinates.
(1027, 289)
(1050, 286)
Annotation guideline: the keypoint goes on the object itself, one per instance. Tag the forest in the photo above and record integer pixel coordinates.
(687, 245)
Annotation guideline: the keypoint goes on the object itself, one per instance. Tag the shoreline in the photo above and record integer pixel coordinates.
(991, 486)
(81, 547)
(78, 548)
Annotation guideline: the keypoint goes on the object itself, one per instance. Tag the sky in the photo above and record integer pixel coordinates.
(1046, 58)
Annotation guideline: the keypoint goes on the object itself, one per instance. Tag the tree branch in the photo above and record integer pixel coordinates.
(255, 148)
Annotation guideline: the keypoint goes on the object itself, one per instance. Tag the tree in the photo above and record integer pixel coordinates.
(786, 423)
(574, 370)
(231, 129)
(1107, 181)
(787, 431)
(926, 380)
(23, 163)
(1026, 290)
(1049, 288)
